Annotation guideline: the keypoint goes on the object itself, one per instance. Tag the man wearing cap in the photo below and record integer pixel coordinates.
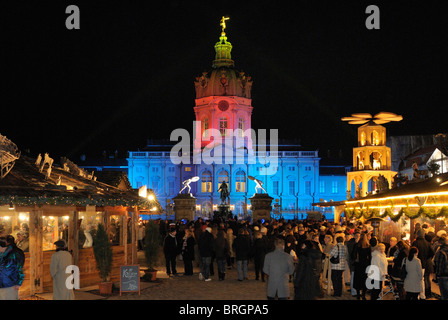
(60, 260)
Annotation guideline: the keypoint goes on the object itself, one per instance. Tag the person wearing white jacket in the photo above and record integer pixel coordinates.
(379, 260)
(413, 284)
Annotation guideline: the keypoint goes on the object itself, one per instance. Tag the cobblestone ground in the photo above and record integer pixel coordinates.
(191, 288)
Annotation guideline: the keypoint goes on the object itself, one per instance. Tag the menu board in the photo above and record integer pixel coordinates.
(130, 279)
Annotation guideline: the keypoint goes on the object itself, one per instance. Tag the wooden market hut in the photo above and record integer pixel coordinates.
(421, 200)
(50, 202)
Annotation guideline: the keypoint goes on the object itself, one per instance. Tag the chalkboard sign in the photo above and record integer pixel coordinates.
(130, 279)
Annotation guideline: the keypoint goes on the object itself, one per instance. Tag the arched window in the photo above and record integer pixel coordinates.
(375, 138)
(205, 128)
(206, 182)
(223, 126)
(241, 127)
(223, 176)
(240, 180)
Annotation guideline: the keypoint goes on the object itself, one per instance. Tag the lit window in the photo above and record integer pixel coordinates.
(206, 182)
(187, 168)
(240, 181)
(334, 187)
(322, 186)
(223, 176)
(241, 127)
(223, 126)
(205, 128)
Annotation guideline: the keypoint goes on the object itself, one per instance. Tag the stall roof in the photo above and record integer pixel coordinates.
(26, 185)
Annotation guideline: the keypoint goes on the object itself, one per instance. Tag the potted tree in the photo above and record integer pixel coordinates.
(103, 256)
(152, 247)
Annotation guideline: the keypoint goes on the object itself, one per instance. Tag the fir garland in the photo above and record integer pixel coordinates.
(388, 212)
(73, 201)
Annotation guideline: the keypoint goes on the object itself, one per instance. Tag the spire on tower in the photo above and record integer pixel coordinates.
(223, 48)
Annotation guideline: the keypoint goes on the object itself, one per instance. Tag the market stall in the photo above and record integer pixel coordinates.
(424, 201)
(41, 203)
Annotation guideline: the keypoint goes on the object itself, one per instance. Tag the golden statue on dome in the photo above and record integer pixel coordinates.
(223, 24)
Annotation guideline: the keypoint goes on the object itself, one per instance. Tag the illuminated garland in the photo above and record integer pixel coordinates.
(388, 212)
(82, 202)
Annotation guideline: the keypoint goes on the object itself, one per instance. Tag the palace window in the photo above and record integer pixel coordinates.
(308, 187)
(223, 176)
(205, 128)
(206, 182)
(241, 127)
(171, 187)
(321, 186)
(240, 178)
(292, 187)
(275, 187)
(223, 126)
(334, 187)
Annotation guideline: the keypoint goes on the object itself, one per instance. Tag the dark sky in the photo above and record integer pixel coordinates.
(127, 74)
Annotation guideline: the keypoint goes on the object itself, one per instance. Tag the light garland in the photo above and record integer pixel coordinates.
(73, 201)
(404, 210)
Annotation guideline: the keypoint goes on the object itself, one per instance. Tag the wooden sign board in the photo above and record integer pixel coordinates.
(130, 279)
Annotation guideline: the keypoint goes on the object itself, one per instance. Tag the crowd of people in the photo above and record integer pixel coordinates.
(314, 255)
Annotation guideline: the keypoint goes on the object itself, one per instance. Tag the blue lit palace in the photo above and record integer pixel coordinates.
(295, 178)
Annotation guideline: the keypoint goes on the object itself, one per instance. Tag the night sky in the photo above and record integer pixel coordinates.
(127, 75)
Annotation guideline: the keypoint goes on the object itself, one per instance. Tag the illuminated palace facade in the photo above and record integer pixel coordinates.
(223, 105)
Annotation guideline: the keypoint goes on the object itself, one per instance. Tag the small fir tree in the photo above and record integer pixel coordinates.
(433, 167)
(103, 252)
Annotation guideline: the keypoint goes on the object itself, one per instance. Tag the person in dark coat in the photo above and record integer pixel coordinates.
(362, 255)
(307, 273)
(171, 250)
(425, 254)
(206, 249)
(259, 250)
(401, 254)
(350, 248)
(188, 245)
(221, 247)
(242, 253)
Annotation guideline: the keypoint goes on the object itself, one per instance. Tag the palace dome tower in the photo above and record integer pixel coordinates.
(223, 96)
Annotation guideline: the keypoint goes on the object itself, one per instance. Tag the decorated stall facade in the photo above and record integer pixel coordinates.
(41, 203)
(424, 201)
